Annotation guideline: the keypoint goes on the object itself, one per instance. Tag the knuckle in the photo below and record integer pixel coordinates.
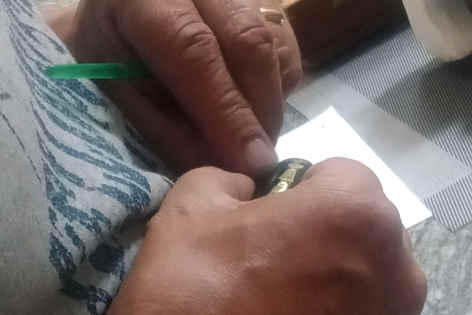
(215, 175)
(348, 175)
(201, 172)
(236, 115)
(360, 218)
(343, 163)
(255, 41)
(294, 74)
(383, 225)
(232, 105)
(361, 203)
(194, 41)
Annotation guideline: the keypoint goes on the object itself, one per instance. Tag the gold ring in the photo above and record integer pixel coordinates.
(273, 16)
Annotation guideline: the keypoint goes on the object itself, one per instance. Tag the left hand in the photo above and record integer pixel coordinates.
(334, 244)
(222, 72)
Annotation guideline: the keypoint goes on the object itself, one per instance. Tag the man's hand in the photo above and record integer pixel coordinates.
(332, 245)
(222, 72)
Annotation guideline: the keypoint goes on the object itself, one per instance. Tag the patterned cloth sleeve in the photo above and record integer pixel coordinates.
(76, 183)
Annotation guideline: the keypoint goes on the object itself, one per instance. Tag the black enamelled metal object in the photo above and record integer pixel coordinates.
(286, 175)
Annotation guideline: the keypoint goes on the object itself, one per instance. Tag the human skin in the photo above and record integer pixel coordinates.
(222, 72)
(332, 245)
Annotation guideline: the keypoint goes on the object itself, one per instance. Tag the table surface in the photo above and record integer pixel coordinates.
(447, 260)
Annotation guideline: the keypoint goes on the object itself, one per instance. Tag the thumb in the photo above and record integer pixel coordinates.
(208, 189)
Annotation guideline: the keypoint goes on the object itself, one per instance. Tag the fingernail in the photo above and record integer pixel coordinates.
(261, 157)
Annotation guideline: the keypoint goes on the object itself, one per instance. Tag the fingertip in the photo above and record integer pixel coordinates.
(347, 173)
(260, 157)
(238, 186)
(244, 187)
(212, 180)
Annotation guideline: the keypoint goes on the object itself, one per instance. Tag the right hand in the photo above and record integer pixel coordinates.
(332, 245)
(221, 70)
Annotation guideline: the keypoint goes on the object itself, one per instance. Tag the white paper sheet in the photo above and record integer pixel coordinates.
(329, 135)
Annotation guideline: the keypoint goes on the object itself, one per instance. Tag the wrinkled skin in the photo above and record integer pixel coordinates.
(332, 245)
(222, 73)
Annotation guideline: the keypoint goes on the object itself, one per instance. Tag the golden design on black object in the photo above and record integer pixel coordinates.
(286, 175)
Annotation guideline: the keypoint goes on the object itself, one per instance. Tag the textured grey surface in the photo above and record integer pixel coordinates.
(447, 260)
(59, 2)
(456, 196)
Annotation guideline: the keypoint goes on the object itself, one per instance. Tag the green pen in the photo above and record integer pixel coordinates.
(100, 71)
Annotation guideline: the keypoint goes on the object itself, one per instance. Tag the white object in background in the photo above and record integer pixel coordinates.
(444, 26)
(328, 136)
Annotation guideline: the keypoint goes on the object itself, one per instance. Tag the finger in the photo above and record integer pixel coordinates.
(335, 178)
(344, 175)
(336, 190)
(162, 126)
(248, 46)
(346, 188)
(290, 63)
(210, 181)
(208, 189)
(173, 39)
(339, 204)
